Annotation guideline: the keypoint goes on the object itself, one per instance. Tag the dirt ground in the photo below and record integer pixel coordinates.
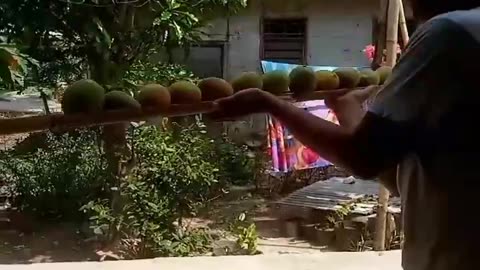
(64, 243)
(61, 243)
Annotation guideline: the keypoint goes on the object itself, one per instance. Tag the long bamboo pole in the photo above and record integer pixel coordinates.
(392, 32)
(381, 33)
(60, 121)
(384, 194)
(403, 24)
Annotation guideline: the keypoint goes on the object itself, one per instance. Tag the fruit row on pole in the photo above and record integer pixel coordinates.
(86, 103)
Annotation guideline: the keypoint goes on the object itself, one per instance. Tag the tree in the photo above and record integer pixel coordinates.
(100, 39)
(106, 36)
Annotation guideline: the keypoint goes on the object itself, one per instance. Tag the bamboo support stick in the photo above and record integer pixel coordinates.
(382, 29)
(319, 95)
(392, 32)
(60, 121)
(384, 194)
(403, 23)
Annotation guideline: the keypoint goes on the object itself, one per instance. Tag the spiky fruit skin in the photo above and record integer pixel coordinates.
(214, 88)
(247, 80)
(115, 100)
(276, 82)
(154, 97)
(184, 92)
(384, 73)
(349, 77)
(302, 80)
(368, 77)
(327, 80)
(83, 96)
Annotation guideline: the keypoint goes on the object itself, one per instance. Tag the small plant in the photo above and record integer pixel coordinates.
(246, 233)
(340, 214)
(248, 239)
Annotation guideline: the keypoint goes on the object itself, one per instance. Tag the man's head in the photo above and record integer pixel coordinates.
(426, 9)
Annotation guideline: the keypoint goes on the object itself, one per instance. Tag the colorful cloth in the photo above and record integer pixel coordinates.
(288, 153)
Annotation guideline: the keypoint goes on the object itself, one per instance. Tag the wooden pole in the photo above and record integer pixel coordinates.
(392, 32)
(58, 121)
(384, 194)
(403, 24)
(381, 33)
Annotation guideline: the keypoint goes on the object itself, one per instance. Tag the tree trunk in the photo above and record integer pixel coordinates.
(114, 138)
(115, 147)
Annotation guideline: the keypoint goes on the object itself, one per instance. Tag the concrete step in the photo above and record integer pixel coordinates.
(268, 227)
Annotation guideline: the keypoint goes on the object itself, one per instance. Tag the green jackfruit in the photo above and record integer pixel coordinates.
(214, 88)
(115, 100)
(247, 80)
(302, 80)
(368, 77)
(384, 73)
(184, 92)
(276, 82)
(327, 80)
(83, 96)
(349, 77)
(154, 96)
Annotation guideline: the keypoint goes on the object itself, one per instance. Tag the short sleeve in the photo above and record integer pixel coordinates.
(418, 88)
(423, 90)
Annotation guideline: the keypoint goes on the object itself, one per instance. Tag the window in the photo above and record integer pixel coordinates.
(205, 59)
(283, 40)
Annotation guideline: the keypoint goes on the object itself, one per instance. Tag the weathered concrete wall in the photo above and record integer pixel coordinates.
(337, 31)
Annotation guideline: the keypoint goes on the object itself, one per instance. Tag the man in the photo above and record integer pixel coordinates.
(424, 119)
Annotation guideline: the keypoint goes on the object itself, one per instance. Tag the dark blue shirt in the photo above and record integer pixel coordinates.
(433, 101)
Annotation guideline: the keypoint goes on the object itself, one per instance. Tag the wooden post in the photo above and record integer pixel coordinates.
(381, 33)
(403, 24)
(392, 32)
(384, 194)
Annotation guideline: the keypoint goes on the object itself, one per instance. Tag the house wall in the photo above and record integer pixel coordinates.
(337, 31)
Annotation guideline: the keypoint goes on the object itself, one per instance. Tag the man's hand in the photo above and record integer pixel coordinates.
(245, 102)
(348, 108)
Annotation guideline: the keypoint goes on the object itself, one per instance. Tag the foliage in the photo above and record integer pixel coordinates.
(146, 224)
(238, 167)
(106, 36)
(180, 165)
(246, 233)
(172, 179)
(55, 182)
(339, 214)
(144, 72)
(14, 65)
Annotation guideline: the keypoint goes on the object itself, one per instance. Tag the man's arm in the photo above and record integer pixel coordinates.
(365, 150)
(389, 130)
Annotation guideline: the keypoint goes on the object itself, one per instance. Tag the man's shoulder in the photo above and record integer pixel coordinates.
(468, 20)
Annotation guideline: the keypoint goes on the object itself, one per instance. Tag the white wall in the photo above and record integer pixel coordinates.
(337, 31)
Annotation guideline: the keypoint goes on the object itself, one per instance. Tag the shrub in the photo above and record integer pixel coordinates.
(237, 167)
(173, 177)
(56, 181)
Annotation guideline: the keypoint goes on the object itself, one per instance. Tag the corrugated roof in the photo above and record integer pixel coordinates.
(332, 193)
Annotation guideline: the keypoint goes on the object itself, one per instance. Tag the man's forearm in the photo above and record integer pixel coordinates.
(326, 138)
